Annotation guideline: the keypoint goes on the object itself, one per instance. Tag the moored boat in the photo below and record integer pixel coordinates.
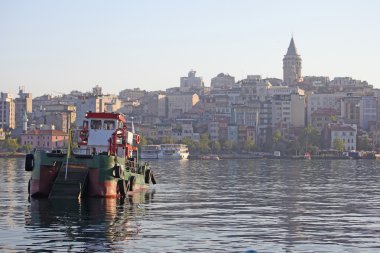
(307, 156)
(210, 157)
(173, 151)
(104, 164)
(149, 151)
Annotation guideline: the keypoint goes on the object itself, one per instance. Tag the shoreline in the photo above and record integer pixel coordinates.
(12, 155)
(252, 157)
(230, 156)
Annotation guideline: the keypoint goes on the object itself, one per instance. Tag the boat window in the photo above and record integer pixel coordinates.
(109, 125)
(85, 124)
(96, 124)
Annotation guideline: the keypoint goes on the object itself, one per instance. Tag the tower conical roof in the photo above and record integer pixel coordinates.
(292, 50)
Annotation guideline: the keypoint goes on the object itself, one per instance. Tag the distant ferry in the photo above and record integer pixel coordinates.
(164, 151)
(149, 151)
(173, 151)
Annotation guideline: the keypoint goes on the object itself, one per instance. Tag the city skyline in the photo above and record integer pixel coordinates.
(68, 46)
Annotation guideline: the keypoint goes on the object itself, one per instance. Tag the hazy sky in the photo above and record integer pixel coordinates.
(59, 46)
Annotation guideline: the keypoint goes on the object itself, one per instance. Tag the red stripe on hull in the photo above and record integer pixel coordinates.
(100, 189)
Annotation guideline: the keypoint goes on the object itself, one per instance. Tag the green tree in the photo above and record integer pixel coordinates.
(338, 144)
(143, 141)
(364, 143)
(167, 140)
(27, 148)
(191, 144)
(277, 137)
(249, 145)
(215, 146)
(204, 143)
(12, 144)
(295, 148)
(309, 139)
(227, 145)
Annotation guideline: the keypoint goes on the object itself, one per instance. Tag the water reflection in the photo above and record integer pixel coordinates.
(90, 225)
(207, 206)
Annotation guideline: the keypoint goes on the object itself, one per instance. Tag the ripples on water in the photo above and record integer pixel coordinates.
(206, 206)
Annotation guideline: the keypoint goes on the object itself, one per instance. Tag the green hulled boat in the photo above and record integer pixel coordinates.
(104, 164)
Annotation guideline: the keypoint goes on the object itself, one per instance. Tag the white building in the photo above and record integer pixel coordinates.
(346, 133)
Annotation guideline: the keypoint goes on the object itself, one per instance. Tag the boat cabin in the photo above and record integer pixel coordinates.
(104, 132)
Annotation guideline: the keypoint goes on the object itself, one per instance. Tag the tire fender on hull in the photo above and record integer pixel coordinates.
(121, 188)
(131, 183)
(29, 162)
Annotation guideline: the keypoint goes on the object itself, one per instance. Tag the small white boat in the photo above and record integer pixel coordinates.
(210, 157)
(173, 151)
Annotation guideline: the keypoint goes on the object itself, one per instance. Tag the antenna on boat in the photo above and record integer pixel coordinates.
(133, 127)
(68, 152)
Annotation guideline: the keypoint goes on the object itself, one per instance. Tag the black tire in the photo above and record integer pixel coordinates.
(117, 171)
(152, 178)
(131, 183)
(147, 176)
(121, 188)
(29, 162)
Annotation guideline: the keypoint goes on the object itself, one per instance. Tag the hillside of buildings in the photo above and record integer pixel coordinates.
(294, 115)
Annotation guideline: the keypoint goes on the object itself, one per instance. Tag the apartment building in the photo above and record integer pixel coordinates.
(7, 111)
(180, 103)
(45, 139)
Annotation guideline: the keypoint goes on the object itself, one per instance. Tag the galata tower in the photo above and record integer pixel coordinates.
(292, 65)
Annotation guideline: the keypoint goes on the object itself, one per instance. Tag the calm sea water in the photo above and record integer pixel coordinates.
(206, 206)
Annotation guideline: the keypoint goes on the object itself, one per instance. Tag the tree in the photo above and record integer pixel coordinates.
(309, 139)
(167, 140)
(12, 144)
(227, 145)
(192, 145)
(204, 143)
(338, 144)
(27, 148)
(249, 145)
(295, 147)
(364, 143)
(277, 137)
(215, 146)
(143, 141)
